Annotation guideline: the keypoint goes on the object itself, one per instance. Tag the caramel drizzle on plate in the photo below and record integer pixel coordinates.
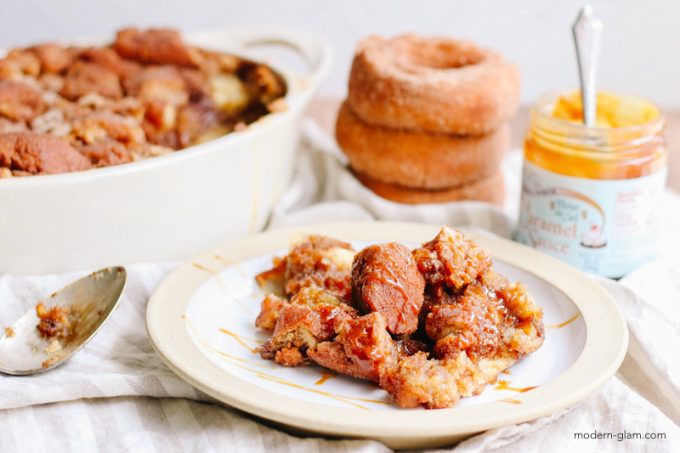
(505, 385)
(241, 363)
(241, 339)
(220, 282)
(223, 354)
(345, 399)
(204, 268)
(563, 323)
(222, 259)
(325, 375)
(510, 401)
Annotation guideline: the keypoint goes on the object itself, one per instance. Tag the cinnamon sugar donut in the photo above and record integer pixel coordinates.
(490, 189)
(411, 159)
(432, 84)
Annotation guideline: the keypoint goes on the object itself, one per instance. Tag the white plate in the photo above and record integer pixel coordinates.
(201, 321)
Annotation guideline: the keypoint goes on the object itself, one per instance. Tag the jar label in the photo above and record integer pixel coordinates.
(606, 227)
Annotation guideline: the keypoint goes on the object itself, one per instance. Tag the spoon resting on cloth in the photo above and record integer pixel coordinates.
(86, 304)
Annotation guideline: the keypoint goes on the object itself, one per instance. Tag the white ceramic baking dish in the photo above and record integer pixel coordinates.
(168, 207)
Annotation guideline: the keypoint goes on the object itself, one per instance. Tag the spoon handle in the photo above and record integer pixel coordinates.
(587, 33)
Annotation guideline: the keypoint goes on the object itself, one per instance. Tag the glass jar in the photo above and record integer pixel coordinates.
(591, 195)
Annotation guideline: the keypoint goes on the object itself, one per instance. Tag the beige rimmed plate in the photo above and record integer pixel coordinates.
(201, 322)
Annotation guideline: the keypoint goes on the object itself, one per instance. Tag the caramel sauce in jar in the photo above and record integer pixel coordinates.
(591, 194)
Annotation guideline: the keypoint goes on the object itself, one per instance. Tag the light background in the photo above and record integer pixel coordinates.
(641, 44)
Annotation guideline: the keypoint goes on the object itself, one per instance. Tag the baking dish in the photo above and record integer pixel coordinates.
(168, 207)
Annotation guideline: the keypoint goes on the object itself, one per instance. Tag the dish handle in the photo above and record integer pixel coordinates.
(316, 52)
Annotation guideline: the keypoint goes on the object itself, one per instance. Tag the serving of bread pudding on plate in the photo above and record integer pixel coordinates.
(430, 326)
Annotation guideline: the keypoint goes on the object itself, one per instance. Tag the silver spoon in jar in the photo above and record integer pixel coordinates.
(86, 303)
(587, 32)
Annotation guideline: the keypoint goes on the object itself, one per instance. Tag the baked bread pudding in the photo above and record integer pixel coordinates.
(149, 93)
(430, 325)
(56, 322)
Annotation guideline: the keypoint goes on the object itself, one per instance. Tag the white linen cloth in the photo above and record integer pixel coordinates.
(116, 394)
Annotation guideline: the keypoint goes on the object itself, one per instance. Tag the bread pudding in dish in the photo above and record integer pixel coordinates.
(68, 108)
(430, 325)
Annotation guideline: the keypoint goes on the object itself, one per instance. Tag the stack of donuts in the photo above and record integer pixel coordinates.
(425, 119)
